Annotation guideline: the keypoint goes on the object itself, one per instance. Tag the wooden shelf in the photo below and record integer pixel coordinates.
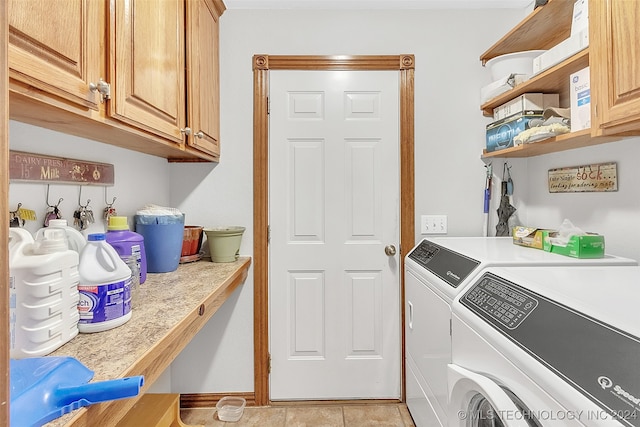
(543, 28)
(553, 80)
(564, 142)
(159, 329)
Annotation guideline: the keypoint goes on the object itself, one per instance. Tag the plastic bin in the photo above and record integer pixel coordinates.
(163, 236)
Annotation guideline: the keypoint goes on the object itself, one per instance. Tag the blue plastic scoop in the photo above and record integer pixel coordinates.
(45, 388)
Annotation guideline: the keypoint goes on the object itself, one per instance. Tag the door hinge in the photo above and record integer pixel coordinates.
(268, 106)
(268, 234)
(450, 327)
(268, 363)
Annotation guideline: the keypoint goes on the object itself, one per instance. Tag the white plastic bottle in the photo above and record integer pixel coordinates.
(43, 292)
(75, 238)
(105, 287)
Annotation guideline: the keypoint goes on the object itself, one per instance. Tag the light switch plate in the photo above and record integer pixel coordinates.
(433, 224)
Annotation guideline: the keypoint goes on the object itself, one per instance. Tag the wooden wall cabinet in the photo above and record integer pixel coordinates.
(611, 56)
(146, 66)
(158, 62)
(615, 81)
(203, 75)
(56, 49)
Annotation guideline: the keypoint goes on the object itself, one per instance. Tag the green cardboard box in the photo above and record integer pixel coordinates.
(590, 245)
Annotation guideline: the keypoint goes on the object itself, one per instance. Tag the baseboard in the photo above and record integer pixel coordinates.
(290, 403)
(209, 400)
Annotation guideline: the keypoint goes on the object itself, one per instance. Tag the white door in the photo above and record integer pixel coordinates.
(334, 294)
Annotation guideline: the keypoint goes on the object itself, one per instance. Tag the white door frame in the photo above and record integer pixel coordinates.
(404, 64)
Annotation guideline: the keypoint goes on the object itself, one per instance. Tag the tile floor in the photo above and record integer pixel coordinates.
(352, 415)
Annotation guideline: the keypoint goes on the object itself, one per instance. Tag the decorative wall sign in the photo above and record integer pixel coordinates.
(48, 169)
(598, 177)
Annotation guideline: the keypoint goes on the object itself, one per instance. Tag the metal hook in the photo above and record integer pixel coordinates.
(50, 205)
(105, 198)
(506, 179)
(17, 209)
(506, 171)
(80, 198)
(15, 220)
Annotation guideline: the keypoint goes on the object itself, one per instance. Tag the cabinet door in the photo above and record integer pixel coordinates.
(147, 66)
(614, 62)
(55, 47)
(203, 81)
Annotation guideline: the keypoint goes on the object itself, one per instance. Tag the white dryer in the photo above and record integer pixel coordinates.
(547, 347)
(436, 271)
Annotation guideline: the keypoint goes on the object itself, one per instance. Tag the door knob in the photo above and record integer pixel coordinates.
(390, 250)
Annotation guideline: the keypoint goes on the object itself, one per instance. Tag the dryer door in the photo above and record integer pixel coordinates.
(477, 401)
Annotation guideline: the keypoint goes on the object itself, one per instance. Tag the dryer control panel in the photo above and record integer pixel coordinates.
(597, 359)
(503, 303)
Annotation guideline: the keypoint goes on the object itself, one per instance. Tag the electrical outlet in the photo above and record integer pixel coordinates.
(433, 224)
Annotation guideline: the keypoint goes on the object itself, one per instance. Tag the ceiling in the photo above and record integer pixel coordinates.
(377, 4)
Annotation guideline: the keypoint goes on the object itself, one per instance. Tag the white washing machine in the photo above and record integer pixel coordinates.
(436, 271)
(547, 347)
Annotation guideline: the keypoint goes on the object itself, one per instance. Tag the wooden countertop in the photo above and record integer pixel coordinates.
(172, 308)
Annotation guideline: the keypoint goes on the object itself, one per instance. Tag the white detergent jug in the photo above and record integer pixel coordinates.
(105, 287)
(75, 238)
(43, 292)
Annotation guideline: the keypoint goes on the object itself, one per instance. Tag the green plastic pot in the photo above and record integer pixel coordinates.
(224, 243)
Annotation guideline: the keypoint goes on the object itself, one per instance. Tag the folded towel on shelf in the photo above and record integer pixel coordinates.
(538, 133)
(555, 121)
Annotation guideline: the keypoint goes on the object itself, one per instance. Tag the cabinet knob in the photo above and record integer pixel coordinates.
(103, 88)
(186, 131)
(199, 135)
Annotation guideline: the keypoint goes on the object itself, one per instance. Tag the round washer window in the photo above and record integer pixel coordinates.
(482, 414)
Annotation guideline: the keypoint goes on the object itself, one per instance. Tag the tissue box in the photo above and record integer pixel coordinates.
(530, 236)
(590, 245)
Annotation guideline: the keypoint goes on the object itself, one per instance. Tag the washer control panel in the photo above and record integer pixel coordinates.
(424, 252)
(505, 304)
(448, 265)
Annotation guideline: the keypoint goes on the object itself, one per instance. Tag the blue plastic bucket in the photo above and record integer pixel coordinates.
(162, 240)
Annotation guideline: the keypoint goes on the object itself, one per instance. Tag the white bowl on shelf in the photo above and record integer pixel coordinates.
(513, 63)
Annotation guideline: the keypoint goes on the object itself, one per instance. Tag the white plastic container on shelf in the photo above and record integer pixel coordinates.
(75, 239)
(43, 292)
(513, 63)
(105, 287)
